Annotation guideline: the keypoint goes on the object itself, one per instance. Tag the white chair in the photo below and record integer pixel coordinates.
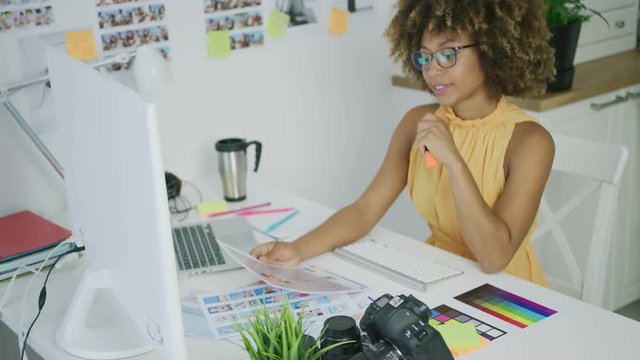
(576, 258)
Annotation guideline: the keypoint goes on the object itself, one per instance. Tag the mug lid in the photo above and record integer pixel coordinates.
(231, 144)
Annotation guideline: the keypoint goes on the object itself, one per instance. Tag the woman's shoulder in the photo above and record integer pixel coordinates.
(418, 112)
(531, 131)
(530, 137)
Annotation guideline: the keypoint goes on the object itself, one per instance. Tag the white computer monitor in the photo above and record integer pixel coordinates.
(128, 300)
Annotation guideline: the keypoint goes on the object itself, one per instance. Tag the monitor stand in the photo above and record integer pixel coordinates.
(96, 326)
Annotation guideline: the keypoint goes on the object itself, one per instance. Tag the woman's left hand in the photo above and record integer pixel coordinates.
(433, 134)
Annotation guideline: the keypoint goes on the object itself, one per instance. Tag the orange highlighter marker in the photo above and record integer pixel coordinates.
(430, 161)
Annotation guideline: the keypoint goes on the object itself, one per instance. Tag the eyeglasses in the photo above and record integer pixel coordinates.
(445, 57)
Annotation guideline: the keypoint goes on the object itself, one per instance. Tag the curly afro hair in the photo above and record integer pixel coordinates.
(513, 39)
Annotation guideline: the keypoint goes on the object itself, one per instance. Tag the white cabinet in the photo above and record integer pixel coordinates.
(612, 118)
(597, 40)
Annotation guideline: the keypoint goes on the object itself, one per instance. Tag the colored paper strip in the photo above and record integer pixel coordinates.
(277, 24)
(218, 44)
(339, 21)
(81, 44)
(461, 340)
(506, 306)
(459, 335)
(542, 310)
(504, 312)
(499, 316)
(488, 295)
(462, 350)
(212, 207)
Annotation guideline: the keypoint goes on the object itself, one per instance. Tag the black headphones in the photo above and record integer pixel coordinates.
(174, 184)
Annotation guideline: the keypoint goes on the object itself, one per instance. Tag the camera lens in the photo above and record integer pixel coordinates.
(338, 329)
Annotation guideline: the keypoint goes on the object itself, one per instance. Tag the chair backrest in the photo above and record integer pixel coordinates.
(592, 172)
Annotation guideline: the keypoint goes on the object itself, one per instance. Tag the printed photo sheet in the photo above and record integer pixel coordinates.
(224, 310)
(303, 279)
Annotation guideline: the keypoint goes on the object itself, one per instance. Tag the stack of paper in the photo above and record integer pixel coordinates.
(25, 240)
(315, 293)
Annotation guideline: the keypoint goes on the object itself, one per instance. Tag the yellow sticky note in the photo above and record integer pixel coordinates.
(339, 21)
(277, 24)
(81, 44)
(212, 207)
(218, 44)
(461, 350)
(459, 335)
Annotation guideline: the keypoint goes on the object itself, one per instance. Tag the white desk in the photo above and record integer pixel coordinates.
(577, 331)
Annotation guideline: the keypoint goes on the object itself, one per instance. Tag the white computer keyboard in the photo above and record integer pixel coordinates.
(396, 263)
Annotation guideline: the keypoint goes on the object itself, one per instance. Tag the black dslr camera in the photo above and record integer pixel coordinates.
(395, 327)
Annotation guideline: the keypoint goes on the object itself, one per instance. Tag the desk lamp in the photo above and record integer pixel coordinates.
(150, 69)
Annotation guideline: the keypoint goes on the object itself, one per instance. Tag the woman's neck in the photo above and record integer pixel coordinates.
(476, 107)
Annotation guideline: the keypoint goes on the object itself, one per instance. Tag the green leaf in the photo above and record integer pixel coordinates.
(562, 12)
(278, 336)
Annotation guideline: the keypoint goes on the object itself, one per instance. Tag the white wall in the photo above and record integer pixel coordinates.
(27, 181)
(322, 106)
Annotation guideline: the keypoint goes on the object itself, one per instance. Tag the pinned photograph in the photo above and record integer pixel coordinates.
(25, 18)
(301, 12)
(21, 2)
(6, 21)
(124, 25)
(131, 16)
(211, 6)
(126, 40)
(240, 21)
(116, 2)
(247, 40)
(236, 21)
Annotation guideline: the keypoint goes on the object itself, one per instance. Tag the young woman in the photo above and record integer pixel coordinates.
(482, 197)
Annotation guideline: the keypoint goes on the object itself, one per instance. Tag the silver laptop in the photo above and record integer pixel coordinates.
(197, 249)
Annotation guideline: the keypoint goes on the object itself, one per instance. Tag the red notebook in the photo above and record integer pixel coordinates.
(24, 233)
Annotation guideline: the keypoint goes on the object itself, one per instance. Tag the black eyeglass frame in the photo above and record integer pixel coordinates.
(432, 55)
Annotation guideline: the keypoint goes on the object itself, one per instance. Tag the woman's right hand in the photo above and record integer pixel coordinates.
(275, 252)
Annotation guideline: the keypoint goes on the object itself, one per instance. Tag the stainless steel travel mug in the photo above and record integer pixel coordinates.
(232, 166)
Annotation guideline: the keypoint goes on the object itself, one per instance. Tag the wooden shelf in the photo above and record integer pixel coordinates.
(591, 79)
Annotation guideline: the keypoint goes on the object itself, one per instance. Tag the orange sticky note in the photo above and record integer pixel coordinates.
(81, 44)
(218, 44)
(339, 21)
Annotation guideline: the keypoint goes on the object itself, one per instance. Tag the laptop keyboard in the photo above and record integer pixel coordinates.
(196, 247)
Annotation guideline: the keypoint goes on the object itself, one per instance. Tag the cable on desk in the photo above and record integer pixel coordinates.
(181, 205)
(42, 298)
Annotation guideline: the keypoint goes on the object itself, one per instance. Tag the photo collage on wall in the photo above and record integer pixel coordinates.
(301, 12)
(243, 19)
(25, 14)
(124, 25)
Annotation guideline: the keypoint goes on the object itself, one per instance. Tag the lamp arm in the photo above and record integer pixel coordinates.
(7, 91)
(23, 84)
(33, 136)
(121, 58)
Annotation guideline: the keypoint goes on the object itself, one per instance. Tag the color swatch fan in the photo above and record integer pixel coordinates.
(506, 306)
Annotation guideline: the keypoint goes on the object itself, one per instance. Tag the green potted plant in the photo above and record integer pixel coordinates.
(280, 336)
(564, 19)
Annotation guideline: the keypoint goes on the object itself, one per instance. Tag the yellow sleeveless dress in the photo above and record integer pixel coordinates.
(483, 144)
